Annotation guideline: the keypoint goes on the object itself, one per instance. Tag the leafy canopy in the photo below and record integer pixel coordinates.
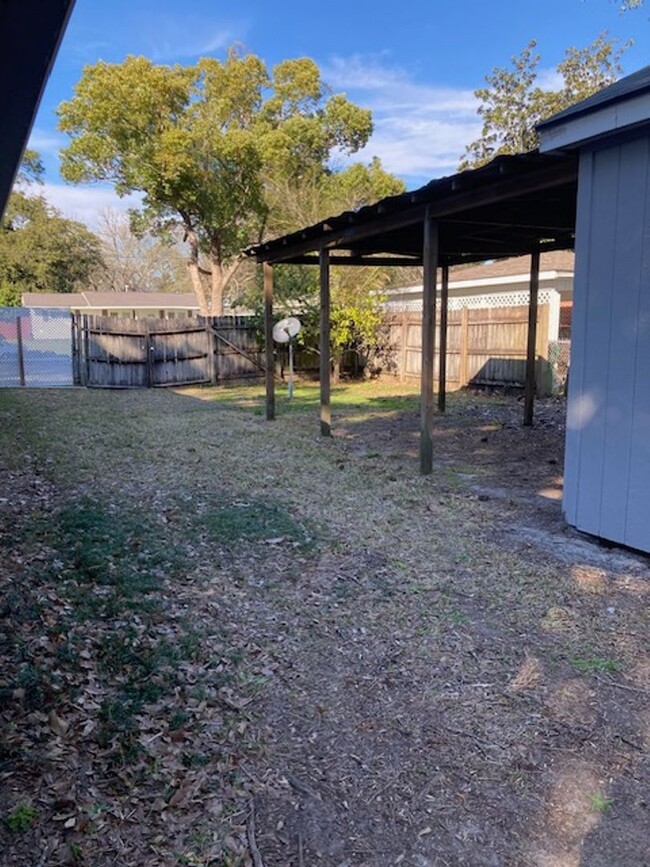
(204, 143)
(41, 251)
(513, 102)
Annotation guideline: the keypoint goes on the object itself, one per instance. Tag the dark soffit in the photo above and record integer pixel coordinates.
(30, 35)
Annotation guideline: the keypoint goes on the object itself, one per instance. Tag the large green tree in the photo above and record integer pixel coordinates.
(204, 145)
(356, 314)
(513, 101)
(41, 251)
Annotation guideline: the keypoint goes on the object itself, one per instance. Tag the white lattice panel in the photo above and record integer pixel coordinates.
(474, 302)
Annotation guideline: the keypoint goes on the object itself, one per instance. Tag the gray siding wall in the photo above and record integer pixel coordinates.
(607, 465)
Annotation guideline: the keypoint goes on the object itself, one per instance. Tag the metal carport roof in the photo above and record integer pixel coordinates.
(512, 206)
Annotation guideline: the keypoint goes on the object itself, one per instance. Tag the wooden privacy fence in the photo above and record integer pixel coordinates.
(116, 352)
(485, 346)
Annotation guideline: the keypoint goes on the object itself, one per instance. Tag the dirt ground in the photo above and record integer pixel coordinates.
(320, 657)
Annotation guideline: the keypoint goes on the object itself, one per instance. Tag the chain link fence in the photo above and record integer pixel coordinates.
(35, 347)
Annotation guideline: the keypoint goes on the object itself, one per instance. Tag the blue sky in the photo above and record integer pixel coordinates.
(414, 63)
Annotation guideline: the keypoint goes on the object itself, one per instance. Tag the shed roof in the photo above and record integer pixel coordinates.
(507, 208)
(632, 85)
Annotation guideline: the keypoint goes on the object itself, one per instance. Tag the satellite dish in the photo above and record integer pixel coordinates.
(285, 329)
(283, 332)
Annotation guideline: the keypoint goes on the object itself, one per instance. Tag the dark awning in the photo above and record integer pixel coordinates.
(30, 34)
(512, 206)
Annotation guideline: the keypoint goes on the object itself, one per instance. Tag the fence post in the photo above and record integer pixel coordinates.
(86, 349)
(148, 359)
(403, 333)
(442, 355)
(212, 350)
(544, 386)
(21, 355)
(74, 333)
(464, 348)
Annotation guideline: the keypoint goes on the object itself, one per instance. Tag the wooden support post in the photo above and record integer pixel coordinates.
(268, 342)
(529, 393)
(430, 263)
(21, 353)
(442, 364)
(325, 408)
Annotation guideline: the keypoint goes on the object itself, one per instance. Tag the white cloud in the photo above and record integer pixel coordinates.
(549, 79)
(45, 142)
(84, 202)
(179, 45)
(421, 130)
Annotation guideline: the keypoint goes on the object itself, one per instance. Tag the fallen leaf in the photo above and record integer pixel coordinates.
(59, 726)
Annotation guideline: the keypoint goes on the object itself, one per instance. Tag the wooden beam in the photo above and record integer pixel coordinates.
(450, 202)
(430, 257)
(442, 363)
(269, 377)
(529, 392)
(367, 261)
(325, 409)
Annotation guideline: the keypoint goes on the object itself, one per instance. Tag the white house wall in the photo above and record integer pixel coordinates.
(607, 468)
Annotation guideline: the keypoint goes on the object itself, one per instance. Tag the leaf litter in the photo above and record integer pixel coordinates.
(289, 650)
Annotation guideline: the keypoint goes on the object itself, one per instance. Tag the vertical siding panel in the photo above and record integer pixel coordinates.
(588, 402)
(578, 338)
(637, 529)
(624, 291)
(596, 349)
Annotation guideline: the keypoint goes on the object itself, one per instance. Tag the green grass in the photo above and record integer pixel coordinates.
(595, 664)
(600, 803)
(21, 818)
(253, 522)
(379, 397)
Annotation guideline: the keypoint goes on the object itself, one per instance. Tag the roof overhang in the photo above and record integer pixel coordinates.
(30, 35)
(510, 207)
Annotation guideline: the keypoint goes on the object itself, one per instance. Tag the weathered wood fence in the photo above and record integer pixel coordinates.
(116, 352)
(485, 346)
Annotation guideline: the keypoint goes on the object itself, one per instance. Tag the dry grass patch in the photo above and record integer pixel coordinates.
(225, 639)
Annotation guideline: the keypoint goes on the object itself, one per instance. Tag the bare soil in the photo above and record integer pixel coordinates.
(353, 664)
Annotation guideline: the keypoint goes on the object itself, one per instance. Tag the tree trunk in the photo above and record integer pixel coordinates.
(217, 282)
(198, 283)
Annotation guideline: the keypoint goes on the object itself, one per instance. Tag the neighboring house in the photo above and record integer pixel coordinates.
(135, 305)
(503, 283)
